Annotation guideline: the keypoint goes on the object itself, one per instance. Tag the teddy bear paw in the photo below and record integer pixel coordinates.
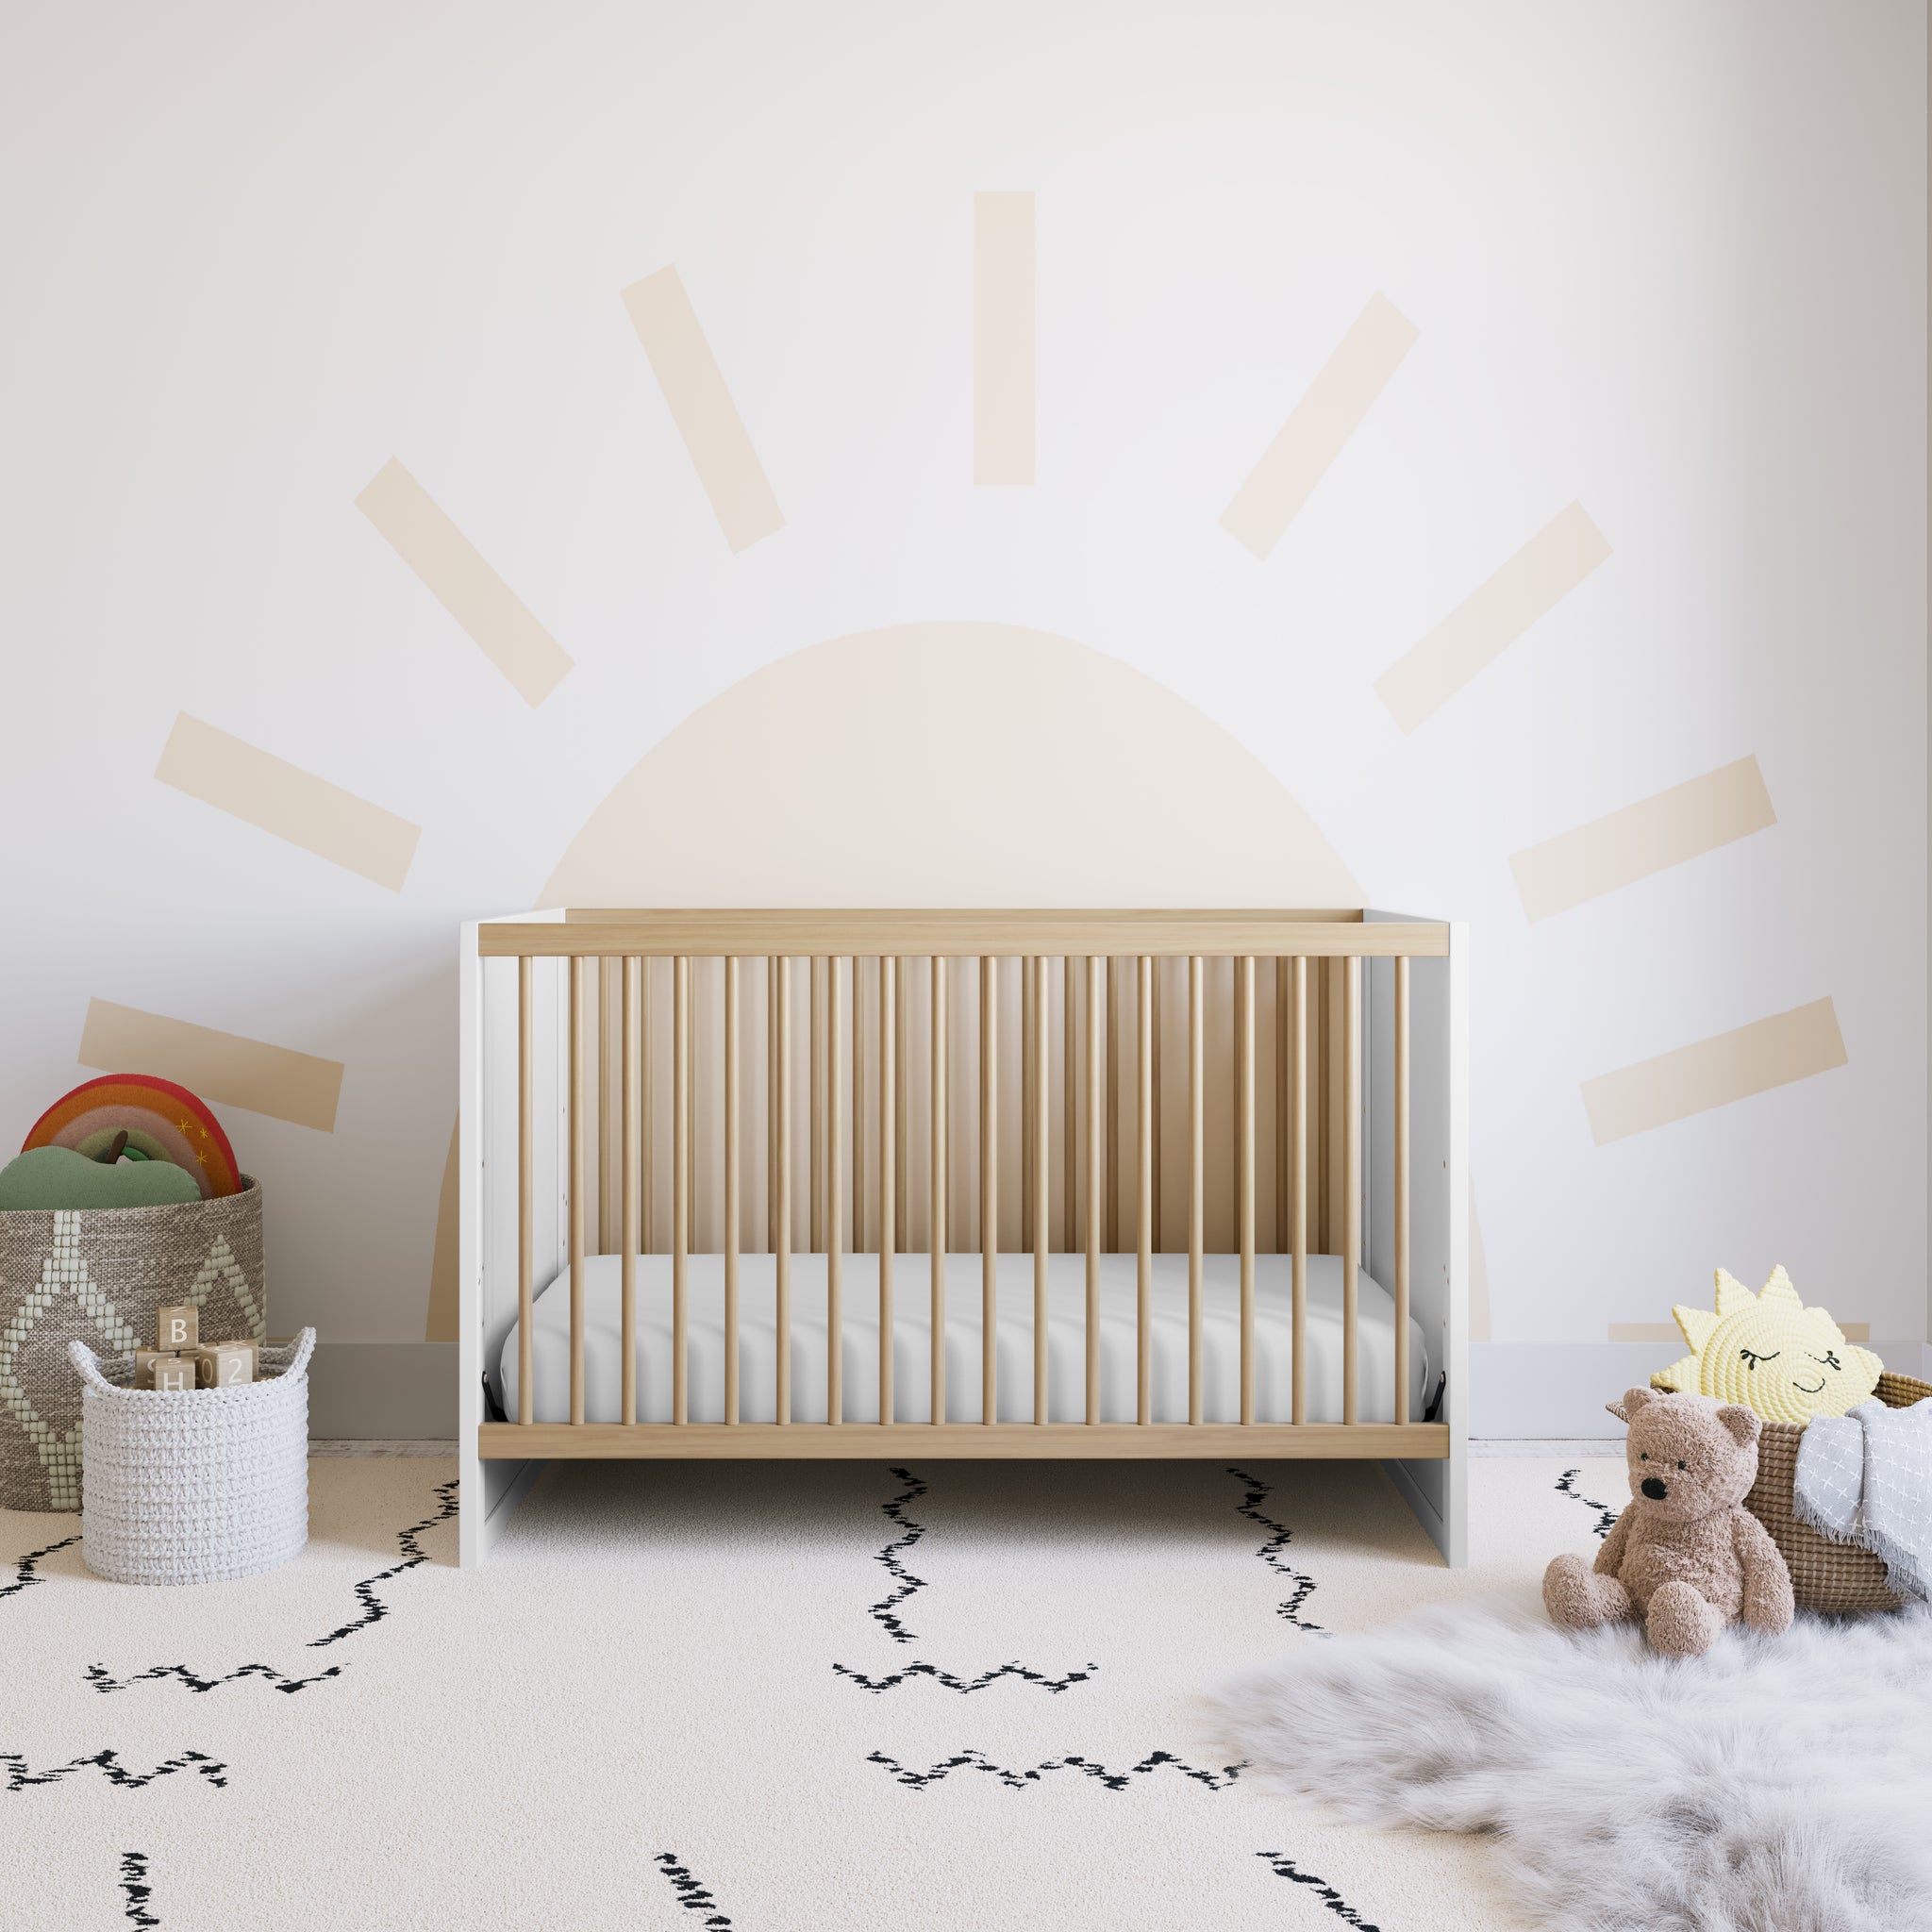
(1680, 1622)
(1578, 1599)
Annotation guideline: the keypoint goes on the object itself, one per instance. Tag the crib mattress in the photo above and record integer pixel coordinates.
(1014, 1328)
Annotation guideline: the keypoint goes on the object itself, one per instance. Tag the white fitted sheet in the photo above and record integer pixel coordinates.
(911, 1330)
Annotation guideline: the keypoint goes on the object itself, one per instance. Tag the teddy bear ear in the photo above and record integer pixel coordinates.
(1635, 1399)
(1742, 1423)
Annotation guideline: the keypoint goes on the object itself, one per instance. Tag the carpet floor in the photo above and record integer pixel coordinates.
(762, 1697)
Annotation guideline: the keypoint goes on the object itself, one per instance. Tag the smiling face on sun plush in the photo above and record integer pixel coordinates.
(1771, 1354)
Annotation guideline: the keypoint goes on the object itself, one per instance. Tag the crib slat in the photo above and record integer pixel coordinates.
(680, 1182)
(1282, 970)
(815, 1130)
(1197, 1124)
(691, 1115)
(859, 1187)
(1298, 1181)
(1159, 1119)
(629, 1156)
(771, 1098)
(731, 1203)
(835, 1200)
(1351, 1175)
(1029, 1068)
(902, 1165)
(607, 1102)
(1069, 1162)
(526, 1394)
(989, 1187)
(1143, 1095)
(1245, 1170)
(1096, 1203)
(1113, 1121)
(888, 1169)
(1401, 1122)
(646, 1159)
(779, 1126)
(1036, 978)
(578, 1100)
(935, 1189)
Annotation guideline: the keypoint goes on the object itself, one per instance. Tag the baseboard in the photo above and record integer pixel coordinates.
(1559, 1389)
(383, 1392)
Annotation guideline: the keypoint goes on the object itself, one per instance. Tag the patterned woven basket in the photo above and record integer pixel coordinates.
(1838, 1579)
(195, 1484)
(98, 1276)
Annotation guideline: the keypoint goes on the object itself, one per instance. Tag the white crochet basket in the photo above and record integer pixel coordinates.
(193, 1485)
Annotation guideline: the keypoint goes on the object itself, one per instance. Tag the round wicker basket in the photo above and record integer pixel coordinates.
(1837, 1578)
(194, 1486)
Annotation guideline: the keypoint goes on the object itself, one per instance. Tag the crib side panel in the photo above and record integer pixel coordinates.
(490, 1193)
(1439, 1205)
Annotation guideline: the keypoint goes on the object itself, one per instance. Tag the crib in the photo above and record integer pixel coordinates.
(960, 1183)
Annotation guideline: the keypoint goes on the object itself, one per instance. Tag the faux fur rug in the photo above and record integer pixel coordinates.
(1775, 1784)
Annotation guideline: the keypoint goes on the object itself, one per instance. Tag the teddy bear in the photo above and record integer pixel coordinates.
(1686, 1555)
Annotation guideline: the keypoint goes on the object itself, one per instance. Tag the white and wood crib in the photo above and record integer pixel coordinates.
(964, 1184)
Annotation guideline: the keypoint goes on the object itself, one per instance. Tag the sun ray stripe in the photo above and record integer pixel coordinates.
(1715, 1072)
(455, 573)
(287, 803)
(701, 406)
(225, 1067)
(1487, 622)
(1331, 411)
(1639, 839)
(1002, 338)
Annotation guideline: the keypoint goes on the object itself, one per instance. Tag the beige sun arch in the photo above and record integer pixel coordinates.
(939, 764)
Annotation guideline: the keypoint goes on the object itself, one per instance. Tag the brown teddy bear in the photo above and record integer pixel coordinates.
(1686, 1555)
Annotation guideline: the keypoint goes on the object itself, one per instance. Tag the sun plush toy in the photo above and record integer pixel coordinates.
(1771, 1353)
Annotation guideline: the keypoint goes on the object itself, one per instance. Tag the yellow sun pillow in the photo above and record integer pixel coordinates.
(1771, 1354)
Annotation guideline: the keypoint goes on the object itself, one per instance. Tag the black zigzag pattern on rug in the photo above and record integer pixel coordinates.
(1269, 1552)
(691, 1895)
(965, 1683)
(139, 1891)
(25, 1573)
(374, 1608)
(896, 1513)
(374, 1612)
(19, 1775)
(1606, 1516)
(101, 1681)
(1286, 1868)
(1019, 1780)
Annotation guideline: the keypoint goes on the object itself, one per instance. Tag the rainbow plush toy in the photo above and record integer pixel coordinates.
(158, 1119)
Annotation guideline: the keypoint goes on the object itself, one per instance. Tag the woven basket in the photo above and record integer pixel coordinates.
(97, 1275)
(194, 1485)
(1837, 1578)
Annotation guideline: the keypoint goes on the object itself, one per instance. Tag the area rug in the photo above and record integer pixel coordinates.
(925, 1697)
(1775, 1784)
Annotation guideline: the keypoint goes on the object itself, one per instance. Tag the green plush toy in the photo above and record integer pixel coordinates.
(58, 1177)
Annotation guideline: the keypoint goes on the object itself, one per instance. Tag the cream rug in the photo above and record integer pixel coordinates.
(757, 1698)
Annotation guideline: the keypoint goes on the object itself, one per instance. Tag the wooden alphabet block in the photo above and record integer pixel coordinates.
(175, 1372)
(178, 1327)
(224, 1365)
(144, 1360)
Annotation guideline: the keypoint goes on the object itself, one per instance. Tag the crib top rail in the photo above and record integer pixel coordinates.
(962, 933)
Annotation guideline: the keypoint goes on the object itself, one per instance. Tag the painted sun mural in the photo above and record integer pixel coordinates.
(946, 661)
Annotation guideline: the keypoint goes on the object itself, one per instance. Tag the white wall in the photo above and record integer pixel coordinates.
(1665, 260)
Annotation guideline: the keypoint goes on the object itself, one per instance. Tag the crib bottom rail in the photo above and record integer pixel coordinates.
(794, 1441)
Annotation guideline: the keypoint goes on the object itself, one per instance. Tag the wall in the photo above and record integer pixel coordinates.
(1650, 283)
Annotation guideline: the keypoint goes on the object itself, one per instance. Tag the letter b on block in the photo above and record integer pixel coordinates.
(178, 1327)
